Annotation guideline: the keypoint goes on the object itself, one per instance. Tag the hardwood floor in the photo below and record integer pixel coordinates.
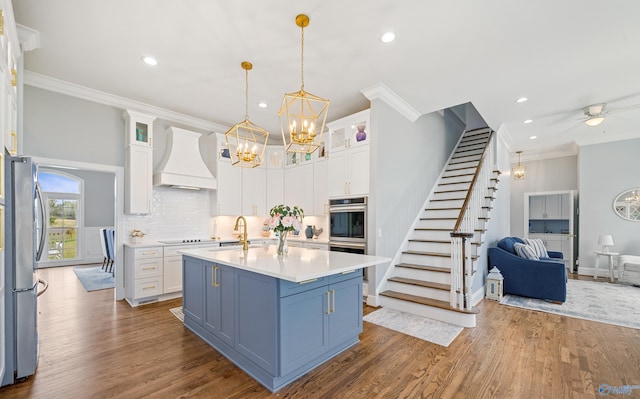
(94, 347)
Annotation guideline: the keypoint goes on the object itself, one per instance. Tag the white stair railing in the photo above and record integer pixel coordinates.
(462, 266)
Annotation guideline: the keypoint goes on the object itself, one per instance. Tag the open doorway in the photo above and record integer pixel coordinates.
(78, 203)
(101, 205)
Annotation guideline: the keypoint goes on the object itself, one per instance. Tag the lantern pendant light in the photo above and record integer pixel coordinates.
(246, 140)
(519, 171)
(302, 114)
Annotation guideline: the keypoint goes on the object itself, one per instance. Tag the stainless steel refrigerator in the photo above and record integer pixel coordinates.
(25, 237)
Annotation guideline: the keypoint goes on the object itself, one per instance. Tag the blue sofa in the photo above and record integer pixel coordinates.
(542, 279)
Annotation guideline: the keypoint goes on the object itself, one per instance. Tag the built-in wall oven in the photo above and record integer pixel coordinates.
(348, 225)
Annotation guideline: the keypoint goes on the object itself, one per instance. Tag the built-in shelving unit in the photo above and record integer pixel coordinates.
(549, 216)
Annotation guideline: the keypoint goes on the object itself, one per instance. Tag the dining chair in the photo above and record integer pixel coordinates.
(103, 243)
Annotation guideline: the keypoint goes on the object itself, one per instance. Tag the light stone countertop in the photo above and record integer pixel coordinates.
(300, 264)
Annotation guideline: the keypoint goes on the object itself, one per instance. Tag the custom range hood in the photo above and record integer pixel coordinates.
(182, 166)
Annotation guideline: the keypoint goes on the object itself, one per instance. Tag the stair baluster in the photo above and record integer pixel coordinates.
(468, 222)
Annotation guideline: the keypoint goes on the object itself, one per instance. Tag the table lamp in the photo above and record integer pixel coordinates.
(606, 241)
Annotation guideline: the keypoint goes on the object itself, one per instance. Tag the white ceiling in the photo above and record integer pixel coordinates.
(562, 55)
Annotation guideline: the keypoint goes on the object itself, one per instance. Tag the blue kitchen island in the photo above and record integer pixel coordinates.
(275, 317)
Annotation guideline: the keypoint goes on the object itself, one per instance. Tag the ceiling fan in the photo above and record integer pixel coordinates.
(596, 113)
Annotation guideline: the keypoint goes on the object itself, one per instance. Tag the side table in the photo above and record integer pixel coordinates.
(610, 255)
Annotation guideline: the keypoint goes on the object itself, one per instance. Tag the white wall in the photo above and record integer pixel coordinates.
(553, 174)
(57, 126)
(406, 160)
(606, 170)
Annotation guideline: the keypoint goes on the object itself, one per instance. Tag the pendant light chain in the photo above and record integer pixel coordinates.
(246, 94)
(302, 60)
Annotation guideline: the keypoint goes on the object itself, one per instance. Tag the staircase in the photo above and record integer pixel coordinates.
(433, 277)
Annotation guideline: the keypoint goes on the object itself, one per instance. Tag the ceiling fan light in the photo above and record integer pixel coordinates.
(594, 120)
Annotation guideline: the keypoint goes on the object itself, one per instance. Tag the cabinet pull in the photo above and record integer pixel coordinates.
(350, 271)
(149, 253)
(149, 288)
(328, 303)
(148, 268)
(333, 297)
(308, 281)
(216, 283)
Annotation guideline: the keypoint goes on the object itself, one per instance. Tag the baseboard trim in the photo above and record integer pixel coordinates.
(373, 300)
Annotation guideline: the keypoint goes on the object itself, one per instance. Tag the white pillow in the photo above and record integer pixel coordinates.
(538, 247)
(525, 251)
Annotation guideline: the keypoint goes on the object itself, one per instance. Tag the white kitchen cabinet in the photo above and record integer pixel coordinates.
(229, 193)
(321, 187)
(275, 188)
(138, 164)
(349, 132)
(172, 268)
(348, 159)
(549, 206)
(241, 191)
(275, 157)
(254, 191)
(298, 187)
(139, 129)
(143, 274)
(348, 172)
(549, 216)
(154, 273)
(309, 244)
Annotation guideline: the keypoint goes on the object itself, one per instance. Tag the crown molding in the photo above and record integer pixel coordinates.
(100, 97)
(29, 38)
(384, 93)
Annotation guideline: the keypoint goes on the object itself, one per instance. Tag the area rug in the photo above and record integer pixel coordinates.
(430, 330)
(94, 278)
(596, 301)
(177, 312)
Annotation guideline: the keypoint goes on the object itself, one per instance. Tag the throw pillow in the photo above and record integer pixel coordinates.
(525, 251)
(538, 247)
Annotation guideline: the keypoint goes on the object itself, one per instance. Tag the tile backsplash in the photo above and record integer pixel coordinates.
(176, 214)
(183, 214)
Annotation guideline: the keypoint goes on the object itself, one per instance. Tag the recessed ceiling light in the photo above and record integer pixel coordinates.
(528, 121)
(522, 100)
(388, 37)
(533, 137)
(149, 60)
(262, 104)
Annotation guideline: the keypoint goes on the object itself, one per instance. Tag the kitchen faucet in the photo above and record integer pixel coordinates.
(243, 236)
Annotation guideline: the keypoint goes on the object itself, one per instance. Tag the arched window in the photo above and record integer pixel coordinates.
(62, 194)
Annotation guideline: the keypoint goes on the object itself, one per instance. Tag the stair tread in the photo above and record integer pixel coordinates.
(455, 182)
(448, 199)
(449, 191)
(426, 301)
(421, 283)
(426, 253)
(438, 254)
(439, 269)
(460, 175)
(437, 241)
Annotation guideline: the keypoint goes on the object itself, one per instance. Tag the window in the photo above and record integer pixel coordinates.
(63, 199)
